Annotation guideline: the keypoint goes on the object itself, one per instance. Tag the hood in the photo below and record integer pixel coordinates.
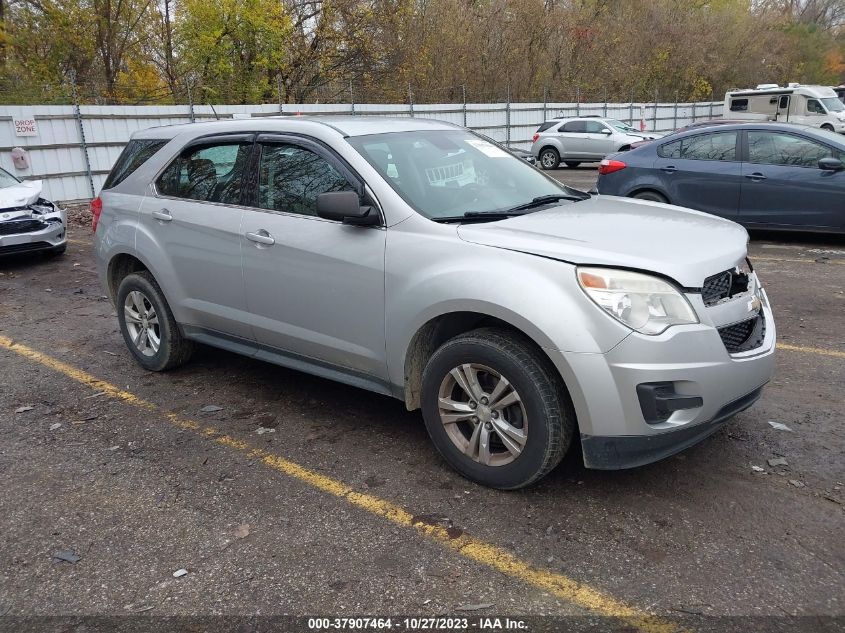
(680, 243)
(20, 195)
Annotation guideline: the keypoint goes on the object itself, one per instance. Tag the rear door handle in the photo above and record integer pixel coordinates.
(756, 176)
(163, 215)
(669, 169)
(261, 237)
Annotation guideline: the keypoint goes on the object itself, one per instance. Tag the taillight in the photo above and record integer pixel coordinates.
(96, 208)
(608, 166)
(535, 137)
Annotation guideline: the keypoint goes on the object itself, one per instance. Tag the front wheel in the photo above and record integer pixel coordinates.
(828, 127)
(495, 409)
(148, 326)
(549, 158)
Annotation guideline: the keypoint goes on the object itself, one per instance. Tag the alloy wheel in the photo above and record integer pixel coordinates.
(142, 323)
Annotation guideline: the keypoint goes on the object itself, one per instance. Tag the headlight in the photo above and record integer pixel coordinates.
(644, 303)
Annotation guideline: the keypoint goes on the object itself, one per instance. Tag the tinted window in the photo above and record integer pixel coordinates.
(211, 173)
(814, 107)
(135, 154)
(594, 127)
(574, 126)
(772, 148)
(291, 177)
(739, 105)
(545, 126)
(718, 146)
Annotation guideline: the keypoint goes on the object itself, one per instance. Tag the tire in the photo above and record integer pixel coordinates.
(650, 195)
(549, 158)
(572, 164)
(56, 251)
(828, 127)
(173, 349)
(541, 411)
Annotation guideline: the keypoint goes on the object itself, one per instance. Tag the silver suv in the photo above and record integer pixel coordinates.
(583, 139)
(418, 260)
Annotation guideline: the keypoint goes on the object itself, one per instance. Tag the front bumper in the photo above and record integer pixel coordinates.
(54, 235)
(693, 358)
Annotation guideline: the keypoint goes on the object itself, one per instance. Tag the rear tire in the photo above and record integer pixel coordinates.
(572, 164)
(148, 326)
(549, 158)
(509, 419)
(650, 195)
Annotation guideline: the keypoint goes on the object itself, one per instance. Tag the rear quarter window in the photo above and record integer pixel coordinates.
(670, 150)
(136, 153)
(545, 126)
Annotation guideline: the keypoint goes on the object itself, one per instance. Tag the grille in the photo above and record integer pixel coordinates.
(723, 286)
(21, 226)
(745, 335)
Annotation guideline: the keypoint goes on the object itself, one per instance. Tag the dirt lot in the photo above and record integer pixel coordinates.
(301, 496)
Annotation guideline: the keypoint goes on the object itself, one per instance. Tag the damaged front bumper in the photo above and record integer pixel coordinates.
(41, 226)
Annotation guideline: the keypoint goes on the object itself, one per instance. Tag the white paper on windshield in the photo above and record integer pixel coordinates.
(488, 149)
(20, 195)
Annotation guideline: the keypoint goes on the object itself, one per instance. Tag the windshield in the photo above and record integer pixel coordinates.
(833, 104)
(7, 179)
(622, 127)
(448, 173)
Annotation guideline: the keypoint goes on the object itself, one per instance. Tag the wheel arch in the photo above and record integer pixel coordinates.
(120, 265)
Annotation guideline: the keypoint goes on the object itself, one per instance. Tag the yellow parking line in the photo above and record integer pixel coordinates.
(811, 350)
(487, 554)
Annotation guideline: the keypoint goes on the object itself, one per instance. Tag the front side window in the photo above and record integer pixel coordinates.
(7, 179)
(719, 146)
(447, 173)
(739, 105)
(574, 127)
(814, 107)
(291, 177)
(136, 153)
(833, 104)
(208, 173)
(594, 127)
(773, 148)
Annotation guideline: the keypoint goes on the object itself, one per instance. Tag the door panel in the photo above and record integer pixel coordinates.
(314, 287)
(195, 221)
(783, 186)
(702, 172)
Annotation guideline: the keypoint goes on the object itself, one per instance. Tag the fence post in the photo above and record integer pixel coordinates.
(577, 100)
(631, 110)
(464, 93)
(545, 104)
(675, 115)
(281, 100)
(604, 112)
(78, 116)
(508, 118)
(190, 102)
(656, 98)
(711, 105)
(351, 98)
(410, 100)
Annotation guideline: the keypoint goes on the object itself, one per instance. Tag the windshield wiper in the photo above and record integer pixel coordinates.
(541, 200)
(479, 216)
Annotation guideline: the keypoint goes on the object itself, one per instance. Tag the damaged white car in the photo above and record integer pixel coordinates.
(28, 222)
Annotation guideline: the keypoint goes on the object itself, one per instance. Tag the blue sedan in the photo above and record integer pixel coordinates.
(762, 175)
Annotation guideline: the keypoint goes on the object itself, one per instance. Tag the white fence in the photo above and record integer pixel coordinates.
(73, 149)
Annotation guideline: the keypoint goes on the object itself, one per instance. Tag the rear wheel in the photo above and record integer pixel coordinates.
(148, 326)
(549, 158)
(495, 409)
(572, 164)
(650, 195)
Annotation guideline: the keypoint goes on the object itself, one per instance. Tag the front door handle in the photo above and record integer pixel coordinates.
(756, 176)
(261, 237)
(669, 169)
(163, 215)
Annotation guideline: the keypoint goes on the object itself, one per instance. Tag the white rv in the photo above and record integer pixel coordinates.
(817, 106)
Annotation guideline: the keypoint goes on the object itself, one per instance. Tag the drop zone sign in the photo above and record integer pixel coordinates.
(25, 125)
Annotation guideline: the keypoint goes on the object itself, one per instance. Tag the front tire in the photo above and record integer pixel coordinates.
(828, 127)
(148, 326)
(549, 158)
(495, 409)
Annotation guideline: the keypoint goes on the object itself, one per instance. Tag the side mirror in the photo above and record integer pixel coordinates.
(345, 206)
(831, 164)
(606, 131)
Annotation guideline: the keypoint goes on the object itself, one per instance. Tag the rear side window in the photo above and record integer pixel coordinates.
(208, 173)
(718, 146)
(135, 154)
(575, 126)
(739, 105)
